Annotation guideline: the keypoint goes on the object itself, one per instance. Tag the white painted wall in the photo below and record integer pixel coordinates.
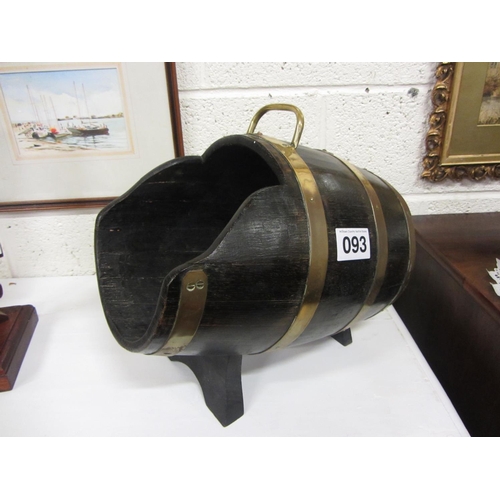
(372, 114)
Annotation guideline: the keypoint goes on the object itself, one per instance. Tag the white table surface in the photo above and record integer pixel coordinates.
(77, 381)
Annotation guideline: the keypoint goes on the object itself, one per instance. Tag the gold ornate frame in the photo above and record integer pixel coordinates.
(444, 121)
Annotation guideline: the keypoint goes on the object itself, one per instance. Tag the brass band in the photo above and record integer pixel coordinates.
(382, 243)
(318, 244)
(189, 312)
(411, 243)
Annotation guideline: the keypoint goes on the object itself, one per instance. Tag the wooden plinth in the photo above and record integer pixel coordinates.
(15, 336)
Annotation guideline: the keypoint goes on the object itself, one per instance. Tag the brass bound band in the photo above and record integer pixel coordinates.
(318, 245)
(382, 242)
(189, 312)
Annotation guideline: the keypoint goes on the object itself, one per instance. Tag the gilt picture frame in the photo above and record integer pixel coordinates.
(463, 141)
(77, 135)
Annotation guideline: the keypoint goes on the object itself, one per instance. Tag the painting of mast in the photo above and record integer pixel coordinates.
(89, 128)
(65, 112)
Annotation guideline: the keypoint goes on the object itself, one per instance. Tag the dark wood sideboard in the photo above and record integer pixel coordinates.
(453, 313)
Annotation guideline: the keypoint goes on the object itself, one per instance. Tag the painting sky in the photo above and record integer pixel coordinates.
(102, 89)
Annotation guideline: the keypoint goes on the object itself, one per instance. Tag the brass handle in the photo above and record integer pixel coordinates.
(280, 107)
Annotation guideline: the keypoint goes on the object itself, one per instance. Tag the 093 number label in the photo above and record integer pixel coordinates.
(352, 243)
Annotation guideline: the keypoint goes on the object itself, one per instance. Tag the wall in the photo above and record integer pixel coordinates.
(372, 114)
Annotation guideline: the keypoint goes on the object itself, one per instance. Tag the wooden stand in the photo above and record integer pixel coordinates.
(15, 335)
(344, 338)
(220, 381)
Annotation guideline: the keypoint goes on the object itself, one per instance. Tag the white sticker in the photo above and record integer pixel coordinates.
(352, 243)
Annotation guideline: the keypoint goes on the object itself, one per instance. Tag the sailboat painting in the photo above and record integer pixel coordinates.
(65, 112)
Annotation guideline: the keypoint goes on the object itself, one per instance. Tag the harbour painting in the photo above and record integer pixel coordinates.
(65, 112)
(489, 113)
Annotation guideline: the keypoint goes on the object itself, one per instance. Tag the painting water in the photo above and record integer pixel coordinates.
(64, 112)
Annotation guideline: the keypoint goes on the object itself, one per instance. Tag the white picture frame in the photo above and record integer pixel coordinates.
(131, 100)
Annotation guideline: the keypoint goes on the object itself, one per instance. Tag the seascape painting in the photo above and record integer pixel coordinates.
(67, 112)
(489, 113)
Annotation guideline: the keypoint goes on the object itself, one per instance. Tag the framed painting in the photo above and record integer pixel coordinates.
(464, 134)
(81, 134)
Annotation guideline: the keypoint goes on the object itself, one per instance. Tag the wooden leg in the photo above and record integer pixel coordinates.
(344, 337)
(220, 381)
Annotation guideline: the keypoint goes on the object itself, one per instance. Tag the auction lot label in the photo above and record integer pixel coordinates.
(352, 243)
